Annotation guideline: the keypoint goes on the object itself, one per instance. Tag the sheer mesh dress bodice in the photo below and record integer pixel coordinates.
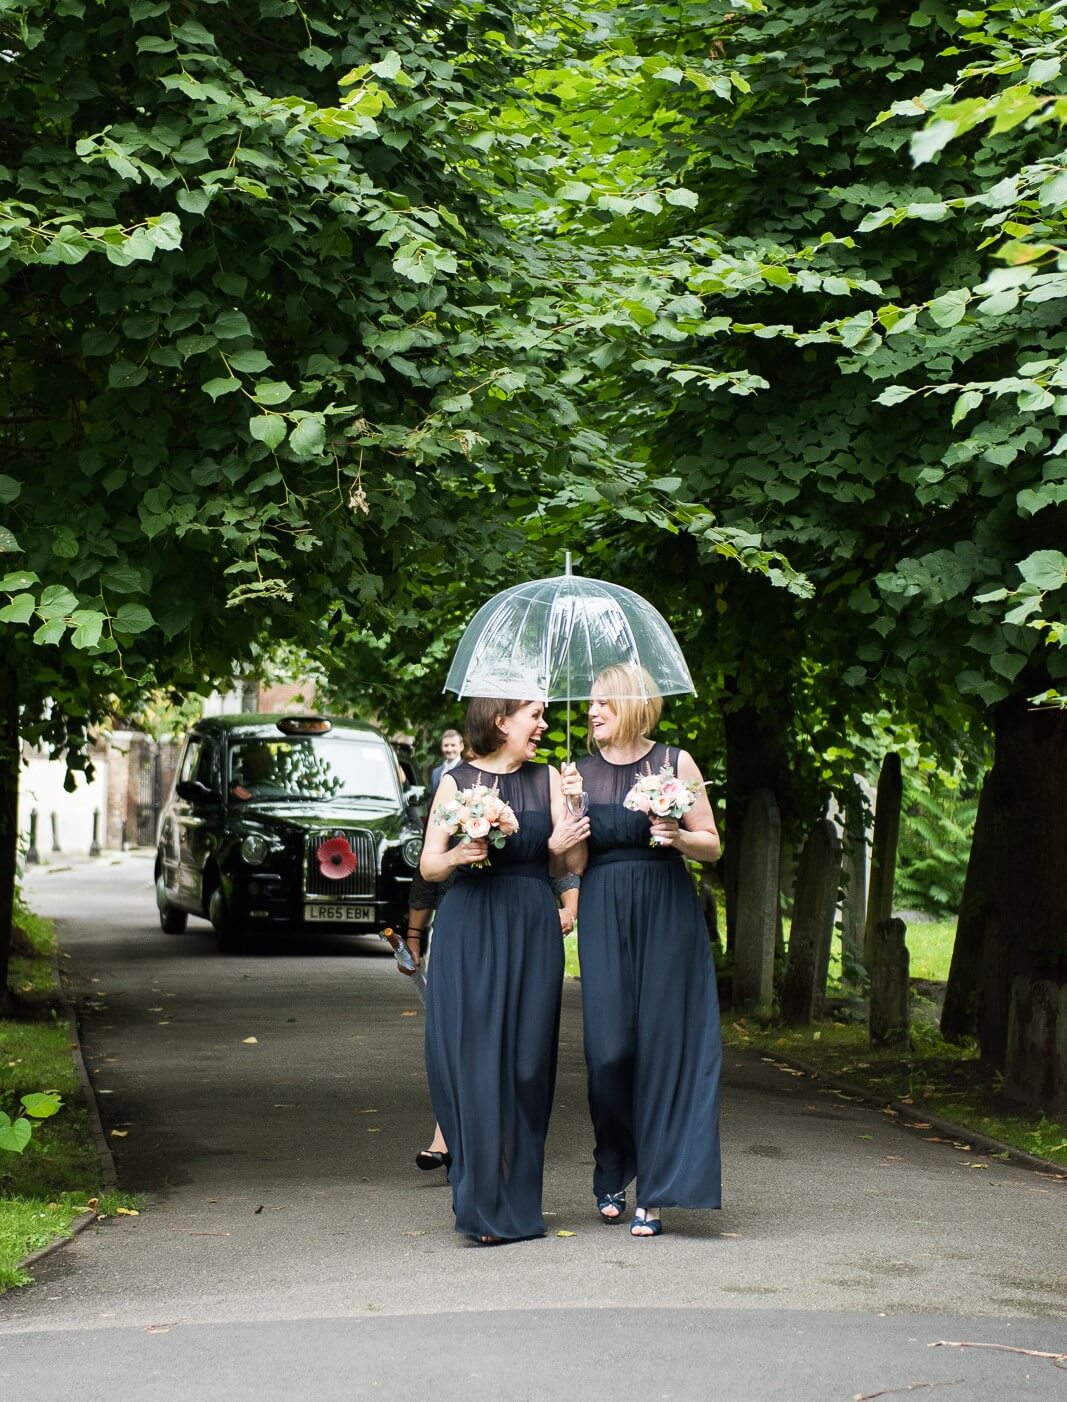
(528, 791)
(612, 827)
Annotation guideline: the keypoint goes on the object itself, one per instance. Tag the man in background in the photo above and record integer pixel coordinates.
(452, 751)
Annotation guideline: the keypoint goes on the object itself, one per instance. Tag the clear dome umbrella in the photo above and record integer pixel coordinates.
(550, 639)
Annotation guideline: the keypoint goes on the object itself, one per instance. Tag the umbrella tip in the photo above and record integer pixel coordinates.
(566, 562)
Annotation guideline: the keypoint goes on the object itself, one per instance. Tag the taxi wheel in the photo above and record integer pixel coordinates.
(172, 921)
(229, 933)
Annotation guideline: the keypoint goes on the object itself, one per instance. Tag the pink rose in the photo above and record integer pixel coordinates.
(661, 805)
(492, 809)
(509, 824)
(639, 802)
(477, 827)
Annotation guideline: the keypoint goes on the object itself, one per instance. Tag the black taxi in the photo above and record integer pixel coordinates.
(298, 821)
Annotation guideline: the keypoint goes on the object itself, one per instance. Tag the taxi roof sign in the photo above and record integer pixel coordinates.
(304, 725)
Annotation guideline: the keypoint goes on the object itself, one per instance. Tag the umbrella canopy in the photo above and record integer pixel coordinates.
(550, 639)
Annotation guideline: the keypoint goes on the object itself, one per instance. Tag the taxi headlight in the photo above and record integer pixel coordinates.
(254, 848)
(411, 851)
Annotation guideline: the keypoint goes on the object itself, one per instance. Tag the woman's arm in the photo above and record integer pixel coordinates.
(696, 837)
(567, 845)
(439, 860)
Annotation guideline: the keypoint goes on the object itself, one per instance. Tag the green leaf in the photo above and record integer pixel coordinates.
(268, 428)
(576, 191)
(894, 394)
(688, 199)
(88, 626)
(229, 325)
(17, 579)
(225, 384)
(8, 544)
(50, 632)
(1045, 568)
(970, 399)
(950, 307)
(14, 1135)
(122, 579)
(9, 489)
(251, 361)
(123, 374)
(455, 404)
(273, 392)
(133, 618)
(19, 610)
(308, 437)
(40, 1105)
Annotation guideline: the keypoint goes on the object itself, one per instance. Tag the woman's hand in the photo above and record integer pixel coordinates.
(568, 832)
(570, 780)
(465, 854)
(666, 832)
(566, 920)
(415, 950)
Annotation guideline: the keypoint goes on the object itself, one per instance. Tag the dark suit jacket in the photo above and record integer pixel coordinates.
(435, 777)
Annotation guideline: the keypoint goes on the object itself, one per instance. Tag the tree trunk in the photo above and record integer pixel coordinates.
(9, 823)
(959, 1016)
(755, 759)
(1023, 911)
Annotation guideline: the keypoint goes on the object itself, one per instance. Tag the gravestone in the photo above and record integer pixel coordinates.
(757, 901)
(890, 1015)
(1030, 1073)
(856, 838)
(883, 852)
(814, 903)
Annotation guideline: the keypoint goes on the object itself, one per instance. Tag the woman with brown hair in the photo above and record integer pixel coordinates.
(653, 1044)
(495, 979)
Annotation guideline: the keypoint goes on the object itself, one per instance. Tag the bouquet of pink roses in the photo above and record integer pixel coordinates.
(661, 795)
(479, 812)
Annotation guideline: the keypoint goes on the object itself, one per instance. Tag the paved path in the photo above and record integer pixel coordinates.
(291, 1248)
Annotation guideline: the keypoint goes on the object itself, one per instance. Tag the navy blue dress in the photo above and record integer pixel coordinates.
(653, 1044)
(492, 1017)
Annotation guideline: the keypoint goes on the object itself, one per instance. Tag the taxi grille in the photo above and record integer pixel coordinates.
(362, 882)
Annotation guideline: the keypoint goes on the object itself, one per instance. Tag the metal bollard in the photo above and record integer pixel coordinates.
(33, 857)
(55, 833)
(94, 846)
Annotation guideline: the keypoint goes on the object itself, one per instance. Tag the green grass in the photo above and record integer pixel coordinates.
(930, 948)
(43, 1189)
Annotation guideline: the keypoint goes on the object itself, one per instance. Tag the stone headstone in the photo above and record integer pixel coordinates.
(1030, 1073)
(757, 901)
(883, 851)
(856, 843)
(814, 903)
(890, 1015)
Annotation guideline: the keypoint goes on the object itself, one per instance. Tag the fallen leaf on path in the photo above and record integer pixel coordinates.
(866, 1136)
(257, 1210)
(408, 1012)
(377, 1129)
(249, 1041)
(562, 1233)
(918, 1124)
(414, 1233)
(977, 1165)
(127, 1212)
(119, 1133)
(158, 1328)
(731, 1234)
(888, 1110)
(153, 1010)
(368, 1112)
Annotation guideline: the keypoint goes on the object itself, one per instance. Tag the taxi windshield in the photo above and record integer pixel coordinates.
(319, 767)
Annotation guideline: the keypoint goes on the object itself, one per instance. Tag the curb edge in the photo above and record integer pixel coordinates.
(983, 1142)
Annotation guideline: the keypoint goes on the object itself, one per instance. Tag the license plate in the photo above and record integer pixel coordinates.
(340, 914)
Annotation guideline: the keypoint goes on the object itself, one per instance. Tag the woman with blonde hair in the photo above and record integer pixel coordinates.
(652, 1038)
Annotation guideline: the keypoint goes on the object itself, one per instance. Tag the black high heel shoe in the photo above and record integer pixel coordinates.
(428, 1159)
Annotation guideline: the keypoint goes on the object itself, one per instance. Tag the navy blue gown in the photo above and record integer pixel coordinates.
(492, 1017)
(653, 1044)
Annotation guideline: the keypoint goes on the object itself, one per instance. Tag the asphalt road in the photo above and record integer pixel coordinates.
(290, 1247)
